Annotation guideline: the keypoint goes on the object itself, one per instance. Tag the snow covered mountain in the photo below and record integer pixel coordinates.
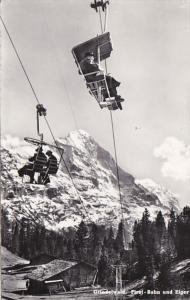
(168, 199)
(90, 191)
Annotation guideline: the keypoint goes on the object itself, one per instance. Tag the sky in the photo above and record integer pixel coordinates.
(150, 57)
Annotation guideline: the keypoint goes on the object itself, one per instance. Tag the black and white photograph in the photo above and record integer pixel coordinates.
(95, 149)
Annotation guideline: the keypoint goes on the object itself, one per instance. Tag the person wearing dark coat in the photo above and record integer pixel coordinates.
(37, 163)
(51, 167)
(51, 163)
(88, 65)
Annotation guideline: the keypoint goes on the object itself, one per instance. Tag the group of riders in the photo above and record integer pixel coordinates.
(42, 164)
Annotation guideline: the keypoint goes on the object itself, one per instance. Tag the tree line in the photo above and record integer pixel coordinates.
(90, 243)
(155, 244)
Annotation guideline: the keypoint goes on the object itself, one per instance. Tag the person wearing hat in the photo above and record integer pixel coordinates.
(88, 65)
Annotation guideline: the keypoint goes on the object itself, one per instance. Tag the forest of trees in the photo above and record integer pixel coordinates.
(157, 245)
(154, 245)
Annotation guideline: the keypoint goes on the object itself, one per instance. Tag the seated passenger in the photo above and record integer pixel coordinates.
(39, 161)
(51, 163)
(88, 65)
(51, 167)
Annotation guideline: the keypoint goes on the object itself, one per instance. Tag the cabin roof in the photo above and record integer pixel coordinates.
(46, 271)
(50, 269)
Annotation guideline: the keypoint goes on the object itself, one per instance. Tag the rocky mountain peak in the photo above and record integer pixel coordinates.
(90, 187)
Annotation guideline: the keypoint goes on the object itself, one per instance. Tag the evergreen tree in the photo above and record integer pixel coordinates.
(145, 218)
(171, 236)
(172, 225)
(149, 271)
(160, 224)
(164, 280)
(35, 241)
(182, 236)
(160, 240)
(144, 241)
(23, 239)
(6, 231)
(64, 248)
(147, 233)
(103, 269)
(112, 248)
(52, 242)
(15, 238)
(119, 241)
(94, 245)
(70, 253)
(111, 237)
(81, 241)
(59, 245)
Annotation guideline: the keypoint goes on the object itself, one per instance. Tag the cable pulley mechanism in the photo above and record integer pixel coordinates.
(41, 111)
(99, 4)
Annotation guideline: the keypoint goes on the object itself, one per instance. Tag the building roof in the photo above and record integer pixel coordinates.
(45, 271)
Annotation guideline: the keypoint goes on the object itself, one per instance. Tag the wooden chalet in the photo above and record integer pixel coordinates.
(60, 276)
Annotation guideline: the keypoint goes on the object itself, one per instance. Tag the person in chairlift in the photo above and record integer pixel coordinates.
(88, 65)
(36, 164)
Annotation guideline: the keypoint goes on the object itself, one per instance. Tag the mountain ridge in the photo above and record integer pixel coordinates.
(94, 194)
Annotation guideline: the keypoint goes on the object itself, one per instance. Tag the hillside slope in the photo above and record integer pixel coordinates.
(94, 195)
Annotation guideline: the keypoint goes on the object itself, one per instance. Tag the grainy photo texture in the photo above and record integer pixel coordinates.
(95, 149)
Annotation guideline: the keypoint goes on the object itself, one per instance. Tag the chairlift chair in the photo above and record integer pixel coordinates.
(40, 164)
(101, 46)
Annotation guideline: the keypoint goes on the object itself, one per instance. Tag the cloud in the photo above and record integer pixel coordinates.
(176, 158)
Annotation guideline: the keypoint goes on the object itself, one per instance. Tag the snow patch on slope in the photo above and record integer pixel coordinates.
(94, 194)
(166, 197)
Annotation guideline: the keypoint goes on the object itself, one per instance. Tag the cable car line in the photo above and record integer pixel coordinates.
(100, 16)
(49, 127)
(105, 20)
(69, 102)
(116, 162)
(20, 60)
(68, 97)
(111, 119)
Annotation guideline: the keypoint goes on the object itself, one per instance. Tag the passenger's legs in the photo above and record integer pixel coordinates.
(31, 174)
(27, 170)
(46, 179)
(112, 84)
(43, 178)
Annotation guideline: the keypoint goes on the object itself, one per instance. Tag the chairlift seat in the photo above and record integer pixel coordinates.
(101, 42)
(101, 47)
(97, 90)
